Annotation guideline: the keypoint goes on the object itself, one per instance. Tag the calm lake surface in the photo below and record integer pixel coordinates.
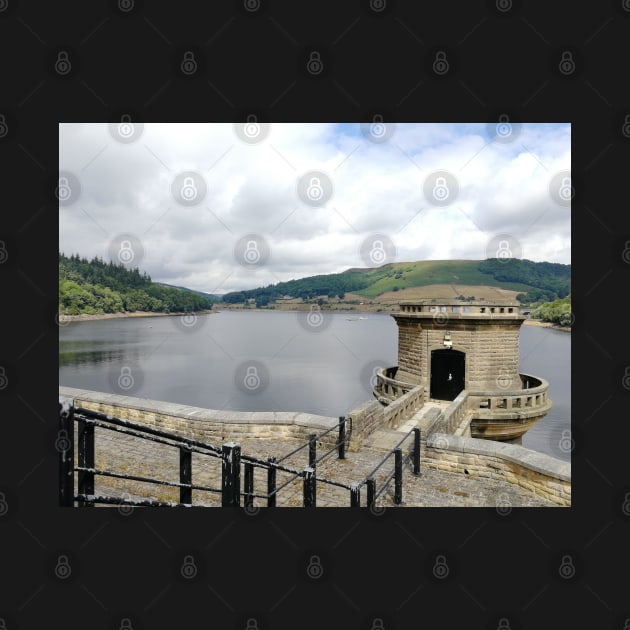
(276, 361)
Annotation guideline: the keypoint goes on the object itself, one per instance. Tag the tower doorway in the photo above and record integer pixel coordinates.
(448, 372)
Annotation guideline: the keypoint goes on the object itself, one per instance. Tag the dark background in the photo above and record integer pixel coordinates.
(377, 570)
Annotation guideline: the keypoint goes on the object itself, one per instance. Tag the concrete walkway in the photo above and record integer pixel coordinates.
(433, 488)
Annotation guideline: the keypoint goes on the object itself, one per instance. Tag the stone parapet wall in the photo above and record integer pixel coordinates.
(540, 474)
(207, 425)
(372, 415)
(403, 408)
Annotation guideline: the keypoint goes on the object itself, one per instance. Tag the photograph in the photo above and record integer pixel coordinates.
(260, 314)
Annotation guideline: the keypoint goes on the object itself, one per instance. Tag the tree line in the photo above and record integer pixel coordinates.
(97, 287)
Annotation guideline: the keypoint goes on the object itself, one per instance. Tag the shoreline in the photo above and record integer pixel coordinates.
(541, 324)
(85, 317)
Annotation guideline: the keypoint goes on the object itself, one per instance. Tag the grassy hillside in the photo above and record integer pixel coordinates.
(529, 282)
(418, 274)
(95, 287)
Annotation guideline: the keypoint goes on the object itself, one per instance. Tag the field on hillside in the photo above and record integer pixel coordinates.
(446, 291)
(431, 273)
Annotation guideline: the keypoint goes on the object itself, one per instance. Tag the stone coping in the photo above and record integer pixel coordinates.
(199, 413)
(539, 462)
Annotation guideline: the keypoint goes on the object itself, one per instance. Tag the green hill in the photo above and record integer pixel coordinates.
(98, 287)
(534, 281)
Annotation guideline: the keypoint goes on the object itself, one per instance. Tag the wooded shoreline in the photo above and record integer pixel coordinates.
(85, 317)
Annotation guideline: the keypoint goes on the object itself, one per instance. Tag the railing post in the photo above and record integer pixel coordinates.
(312, 449)
(85, 483)
(231, 474)
(249, 485)
(355, 495)
(271, 482)
(371, 491)
(398, 473)
(66, 455)
(185, 474)
(416, 451)
(310, 498)
(341, 448)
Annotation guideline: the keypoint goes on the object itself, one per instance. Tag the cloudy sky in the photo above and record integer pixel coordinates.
(223, 207)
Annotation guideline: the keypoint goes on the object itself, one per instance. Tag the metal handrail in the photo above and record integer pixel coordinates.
(89, 419)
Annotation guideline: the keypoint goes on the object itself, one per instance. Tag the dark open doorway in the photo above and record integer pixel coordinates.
(448, 371)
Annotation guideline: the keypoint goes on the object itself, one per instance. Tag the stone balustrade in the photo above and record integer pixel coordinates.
(531, 396)
(387, 388)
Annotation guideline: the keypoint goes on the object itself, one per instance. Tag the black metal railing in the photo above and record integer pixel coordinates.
(232, 460)
(413, 457)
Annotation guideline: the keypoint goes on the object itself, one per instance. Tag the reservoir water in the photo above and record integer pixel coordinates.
(276, 361)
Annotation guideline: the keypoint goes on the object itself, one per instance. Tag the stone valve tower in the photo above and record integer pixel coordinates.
(456, 348)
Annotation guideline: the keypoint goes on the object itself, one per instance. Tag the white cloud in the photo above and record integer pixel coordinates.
(377, 188)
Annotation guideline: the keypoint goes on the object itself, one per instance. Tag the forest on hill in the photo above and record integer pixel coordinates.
(96, 287)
